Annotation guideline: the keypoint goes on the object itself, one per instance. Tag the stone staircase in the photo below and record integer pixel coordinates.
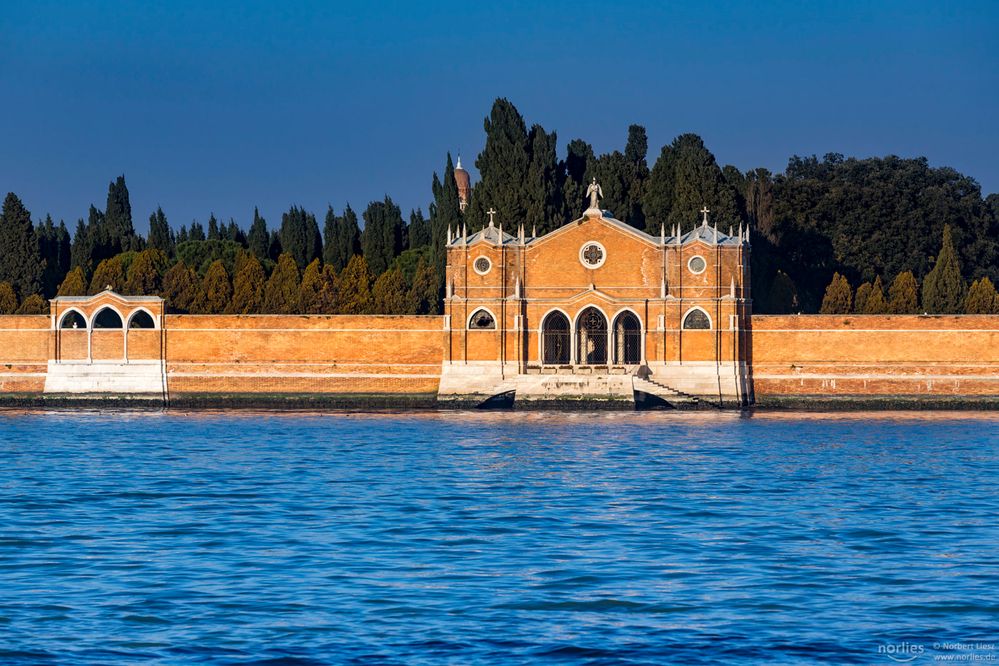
(668, 393)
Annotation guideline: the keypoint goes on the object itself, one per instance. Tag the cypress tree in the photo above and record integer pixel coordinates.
(119, 234)
(145, 274)
(876, 303)
(81, 248)
(20, 260)
(160, 234)
(860, 300)
(54, 249)
(903, 295)
(424, 294)
(234, 233)
(248, 286)
(197, 232)
(213, 228)
(327, 293)
(274, 249)
(783, 296)
(300, 236)
(354, 287)
(578, 170)
(445, 212)
(258, 239)
(389, 294)
(944, 288)
(543, 186)
(216, 290)
(281, 292)
(342, 237)
(503, 168)
(181, 288)
(309, 290)
(109, 273)
(8, 299)
(418, 234)
(982, 298)
(382, 239)
(182, 236)
(75, 283)
(33, 305)
(838, 296)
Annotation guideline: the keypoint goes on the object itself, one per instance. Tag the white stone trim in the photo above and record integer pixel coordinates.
(603, 253)
(131, 315)
(468, 321)
(98, 311)
(65, 312)
(711, 324)
(691, 269)
(476, 268)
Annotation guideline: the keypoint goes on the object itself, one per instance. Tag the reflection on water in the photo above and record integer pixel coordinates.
(497, 537)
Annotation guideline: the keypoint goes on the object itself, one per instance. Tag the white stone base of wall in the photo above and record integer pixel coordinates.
(135, 378)
(727, 382)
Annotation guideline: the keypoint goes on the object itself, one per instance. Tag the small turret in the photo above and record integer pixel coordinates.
(463, 181)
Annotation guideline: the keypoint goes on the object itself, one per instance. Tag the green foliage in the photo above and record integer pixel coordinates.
(197, 232)
(110, 273)
(117, 233)
(300, 236)
(783, 295)
(215, 296)
(20, 260)
(75, 283)
(503, 168)
(860, 299)
(160, 234)
(944, 288)
(34, 305)
(382, 240)
(247, 286)
(342, 238)
(982, 298)
(838, 296)
(424, 294)
(542, 187)
(578, 169)
(686, 178)
(318, 291)
(8, 299)
(201, 254)
(622, 177)
(281, 292)
(389, 294)
(445, 213)
(213, 228)
(876, 303)
(903, 295)
(54, 250)
(258, 239)
(145, 274)
(418, 232)
(354, 287)
(181, 288)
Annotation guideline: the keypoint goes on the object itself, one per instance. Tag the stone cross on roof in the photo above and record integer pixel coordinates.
(705, 212)
(490, 213)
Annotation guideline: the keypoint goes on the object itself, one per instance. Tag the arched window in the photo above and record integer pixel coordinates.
(141, 319)
(627, 339)
(555, 340)
(591, 328)
(481, 320)
(107, 318)
(695, 320)
(73, 319)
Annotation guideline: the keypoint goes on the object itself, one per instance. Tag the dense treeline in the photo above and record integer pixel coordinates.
(818, 228)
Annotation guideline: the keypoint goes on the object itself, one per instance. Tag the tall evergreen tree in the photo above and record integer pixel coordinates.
(860, 298)
(145, 274)
(382, 239)
(213, 228)
(418, 234)
(445, 213)
(248, 286)
(160, 234)
(903, 295)
(982, 298)
(300, 236)
(578, 167)
(354, 287)
(197, 232)
(119, 233)
(20, 260)
(342, 237)
(310, 291)
(54, 247)
(216, 290)
(258, 239)
(543, 185)
(8, 299)
(110, 273)
(944, 288)
(389, 294)
(33, 305)
(503, 168)
(75, 283)
(282, 289)
(839, 296)
(181, 288)
(876, 303)
(424, 295)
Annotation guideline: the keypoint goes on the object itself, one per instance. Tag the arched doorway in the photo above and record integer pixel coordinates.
(627, 339)
(556, 342)
(107, 318)
(141, 319)
(591, 328)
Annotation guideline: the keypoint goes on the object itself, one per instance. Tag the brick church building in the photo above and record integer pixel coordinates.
(598, 308)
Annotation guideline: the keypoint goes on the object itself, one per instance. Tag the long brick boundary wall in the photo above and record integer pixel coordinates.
(24, 353)
(875, 355)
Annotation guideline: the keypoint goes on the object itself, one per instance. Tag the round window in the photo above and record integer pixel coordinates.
(482, 265)
(697, 264)
(592, 255)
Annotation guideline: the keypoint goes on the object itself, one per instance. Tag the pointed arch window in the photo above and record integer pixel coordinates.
(481, 320)
(72, 319)
(107, 318)
(627, 339)
(556, 340)
(696, 320)
(591, 328)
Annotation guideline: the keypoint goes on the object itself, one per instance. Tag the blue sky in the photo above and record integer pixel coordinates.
(217, 107)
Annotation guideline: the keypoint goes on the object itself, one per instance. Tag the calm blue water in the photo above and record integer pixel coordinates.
(497, 538)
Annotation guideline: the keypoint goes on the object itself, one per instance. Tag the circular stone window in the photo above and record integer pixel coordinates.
(697, 264)
(592, 255)
(482, 265)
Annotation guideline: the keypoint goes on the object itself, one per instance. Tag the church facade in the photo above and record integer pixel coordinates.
(598, 310)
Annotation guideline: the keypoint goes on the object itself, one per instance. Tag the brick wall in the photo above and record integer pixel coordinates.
(24, 353)
(946, 355)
